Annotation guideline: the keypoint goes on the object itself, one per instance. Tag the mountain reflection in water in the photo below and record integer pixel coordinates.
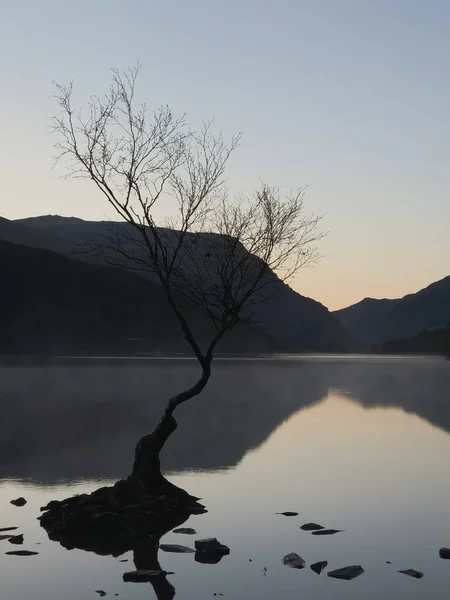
(82, 422)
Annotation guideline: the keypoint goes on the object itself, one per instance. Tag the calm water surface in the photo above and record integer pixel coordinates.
(360, 444)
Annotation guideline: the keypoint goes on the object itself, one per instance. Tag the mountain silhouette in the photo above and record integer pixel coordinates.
(297, 322)
(51, 304)
(377, 321)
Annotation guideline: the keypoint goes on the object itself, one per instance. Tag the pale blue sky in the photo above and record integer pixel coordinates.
(349, 97)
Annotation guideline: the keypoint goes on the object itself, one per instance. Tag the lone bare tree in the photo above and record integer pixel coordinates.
(167, 184)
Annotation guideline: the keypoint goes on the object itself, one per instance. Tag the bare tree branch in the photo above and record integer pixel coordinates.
(220, 254)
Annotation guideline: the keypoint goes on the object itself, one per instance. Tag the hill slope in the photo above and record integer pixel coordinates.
(53, 304)
(377, 321)
(299, 323)
(427, 342)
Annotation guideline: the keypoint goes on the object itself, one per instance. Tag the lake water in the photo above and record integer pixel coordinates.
(357, 443)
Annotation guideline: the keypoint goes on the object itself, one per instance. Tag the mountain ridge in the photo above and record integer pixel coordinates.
(296, 322)
(376, 321)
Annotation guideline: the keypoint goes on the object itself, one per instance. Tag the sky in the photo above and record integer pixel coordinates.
(348, 97)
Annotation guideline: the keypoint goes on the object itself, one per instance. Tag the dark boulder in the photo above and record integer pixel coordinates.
(318, 567)
(210, 551)
(16, 539)
(326, 531)
(294, 561)
(19, 501)
(412, 573)
(211, 545)
(311, 527)
(346, 573)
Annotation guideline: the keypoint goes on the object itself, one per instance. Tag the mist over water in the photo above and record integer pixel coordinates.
(359, 444)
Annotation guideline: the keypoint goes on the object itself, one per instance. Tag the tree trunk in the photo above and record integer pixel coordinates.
(147, 468)
(146, 471)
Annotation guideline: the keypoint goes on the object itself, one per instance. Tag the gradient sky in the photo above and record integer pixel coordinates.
(349, 97)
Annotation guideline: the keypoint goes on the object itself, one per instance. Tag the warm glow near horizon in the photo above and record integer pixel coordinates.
(349, 98)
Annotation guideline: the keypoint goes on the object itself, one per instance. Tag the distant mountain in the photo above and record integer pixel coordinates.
(427, 342)
(298, 323)
(18, 233)
(377, 321)
(50, 303)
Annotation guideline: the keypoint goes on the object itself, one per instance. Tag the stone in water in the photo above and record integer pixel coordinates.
(294, 561)
(347, 573)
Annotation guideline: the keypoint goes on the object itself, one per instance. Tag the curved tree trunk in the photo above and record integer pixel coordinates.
(146, 471)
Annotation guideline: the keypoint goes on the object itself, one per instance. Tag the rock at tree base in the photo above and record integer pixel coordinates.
(346, 573)
(144, 576)
(444, 553)
(21, 553)
(311, 527)
(318, 567)
(326, 531)
(112, 520)
(412, 573)
(16, 539)
(185, 531)
(19, 501)
(294, 561)
(176, 548)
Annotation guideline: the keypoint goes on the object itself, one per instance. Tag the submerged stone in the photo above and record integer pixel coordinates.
(16, 539)
(144, 575)
(326, 531)
(101, 593)
(185, 530)
(294, 561)
(311, 527)
(21, 553)
(318, 567)
(288, 513)
(444, 553)
(210, 551)
(176, 548)
(347, 573)
(211, 545)
(412, 573)
(2, 529)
